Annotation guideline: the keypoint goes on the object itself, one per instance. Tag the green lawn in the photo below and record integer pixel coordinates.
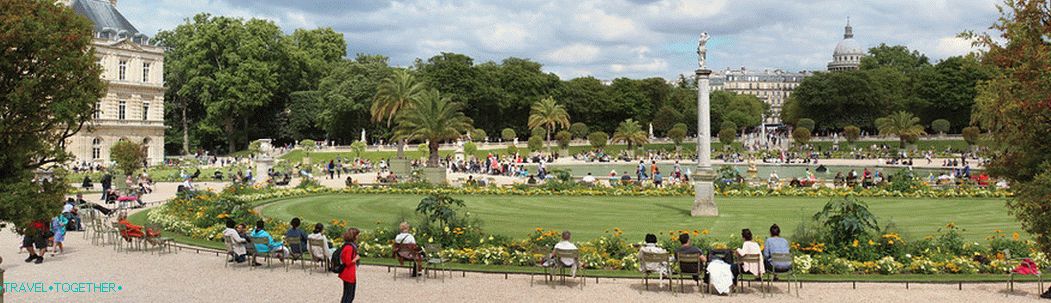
(590, 217)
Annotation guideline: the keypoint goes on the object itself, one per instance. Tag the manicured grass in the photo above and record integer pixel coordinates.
(591, 217)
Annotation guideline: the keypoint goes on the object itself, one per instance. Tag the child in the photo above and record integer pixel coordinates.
(58, 227)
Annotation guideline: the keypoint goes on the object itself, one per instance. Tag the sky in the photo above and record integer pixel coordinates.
(606, 39)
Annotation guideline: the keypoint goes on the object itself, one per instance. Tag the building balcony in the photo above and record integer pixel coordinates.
(118, 123)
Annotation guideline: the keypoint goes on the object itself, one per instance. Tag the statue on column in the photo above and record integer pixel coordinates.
(702, 50)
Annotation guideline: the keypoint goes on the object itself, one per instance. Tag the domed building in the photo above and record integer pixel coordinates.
(848, 52)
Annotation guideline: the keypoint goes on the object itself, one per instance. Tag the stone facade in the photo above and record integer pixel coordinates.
(133, 107)
(771, 86)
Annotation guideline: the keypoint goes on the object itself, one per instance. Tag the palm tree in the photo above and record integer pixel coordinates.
(433, 118)
(548, 114)
(631, 133)
(902, 124)
(395, 95)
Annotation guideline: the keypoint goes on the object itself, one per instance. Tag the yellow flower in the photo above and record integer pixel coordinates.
(891, 242)
(705, 231)
(871, 243)
(1015, 236)
(855, 244)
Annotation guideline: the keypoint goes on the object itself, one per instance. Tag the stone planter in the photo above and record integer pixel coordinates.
(434, 175)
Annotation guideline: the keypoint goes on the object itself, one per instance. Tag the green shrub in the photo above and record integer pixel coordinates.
(579, 130)
(940, 126)
(598, 139)
(806, 123)
(536, 143)
(852, 133)
(508, 134)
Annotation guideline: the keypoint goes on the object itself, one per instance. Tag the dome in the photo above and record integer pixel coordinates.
(848, 46)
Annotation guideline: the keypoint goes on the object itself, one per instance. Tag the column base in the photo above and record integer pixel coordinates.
(704, 198)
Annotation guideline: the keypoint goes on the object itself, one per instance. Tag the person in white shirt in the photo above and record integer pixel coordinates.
(411, 252)
(237, 242)
(650, 247)
(589, 179)
(564, 245)
(749, 247)
(325, 250)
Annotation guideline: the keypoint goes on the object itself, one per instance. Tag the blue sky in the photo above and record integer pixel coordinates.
(606, 38)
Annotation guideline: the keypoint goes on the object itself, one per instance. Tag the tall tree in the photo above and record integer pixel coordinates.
(347, 94)
(901, 124)
(1015, 107)
(630, 132)
(548, 114)
(897, 56)
(49, 85)
(434, 118)
(395, 95)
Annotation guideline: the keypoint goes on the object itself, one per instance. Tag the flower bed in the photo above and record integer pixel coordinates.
(201, 217)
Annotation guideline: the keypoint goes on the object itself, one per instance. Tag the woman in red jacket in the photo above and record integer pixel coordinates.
(349, 258)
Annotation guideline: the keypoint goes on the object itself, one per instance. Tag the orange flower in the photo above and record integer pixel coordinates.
(1015, 236)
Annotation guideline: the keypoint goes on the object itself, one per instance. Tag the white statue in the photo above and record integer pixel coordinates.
(702, 50)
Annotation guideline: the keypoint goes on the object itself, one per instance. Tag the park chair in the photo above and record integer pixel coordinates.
(266, 255)
(231, 255)
(293, 244)
(751, 259)
(728, 256)
(87, 218)
(119, 240)
(791, 273)
(103, 232)
(435, 260)
(689, 265)
(161, 242)
(573, 254)
(1012, 274)
(320, 260)
(661, 258)
(251, 253)
(407, 252)
(544, 265)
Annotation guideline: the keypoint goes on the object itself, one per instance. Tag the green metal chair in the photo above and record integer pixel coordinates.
(267, 255)
(434, 261)
(790, 273)
(688, 265)
(574, 254)
(645, 258)
(291, 243)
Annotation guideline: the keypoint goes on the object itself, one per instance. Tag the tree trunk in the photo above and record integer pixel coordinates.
(549, 129)
(432, 161)
(231, 144)
(401, 149)
(185, 131)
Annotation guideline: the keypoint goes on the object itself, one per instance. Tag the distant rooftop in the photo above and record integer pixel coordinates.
(104, 15)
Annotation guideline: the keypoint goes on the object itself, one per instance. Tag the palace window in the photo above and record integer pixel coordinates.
(145, 72)
(145, 110)
(122, 109)
(96, 148)
(98, 111)
(122, 70)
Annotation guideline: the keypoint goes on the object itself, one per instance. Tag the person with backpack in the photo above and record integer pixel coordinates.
(345, 263)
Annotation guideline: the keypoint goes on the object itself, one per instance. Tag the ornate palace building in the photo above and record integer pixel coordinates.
(771, 86)
(133, 108)
(848, 53)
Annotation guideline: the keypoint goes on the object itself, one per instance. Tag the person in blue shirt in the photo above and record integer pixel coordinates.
(296, 232)
(270, 246)
(775, 244)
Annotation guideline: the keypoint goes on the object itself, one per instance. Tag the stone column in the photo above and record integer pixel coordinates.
(703, 176)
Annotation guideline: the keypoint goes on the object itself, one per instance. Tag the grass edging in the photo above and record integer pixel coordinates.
(140, 218)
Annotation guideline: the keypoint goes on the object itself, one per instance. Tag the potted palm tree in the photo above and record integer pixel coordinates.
(631, 133)
(903, 125)
(394, 96)
(548, 114)
(433, 119)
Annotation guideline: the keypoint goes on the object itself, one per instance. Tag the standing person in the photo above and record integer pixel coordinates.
(349, 257)
(58, 228)
(34, 241)
(331, 169)
(107, 183)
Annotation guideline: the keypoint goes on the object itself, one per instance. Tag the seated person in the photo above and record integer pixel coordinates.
(589, 179)
(294, 231)
(218, 175)
(270, 246)
(325, 250)
(650, 247)
(87, 183)
(721, 272)
(405, 248)
(349, 182)
(102, 209)
(69, 212)
(134, 231)
(775, 244)
(688, 248)
(237, 244)
(563, 245)
(749, 247)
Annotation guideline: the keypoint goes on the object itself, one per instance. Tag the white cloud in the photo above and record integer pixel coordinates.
(575, 53)
(606, 38)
